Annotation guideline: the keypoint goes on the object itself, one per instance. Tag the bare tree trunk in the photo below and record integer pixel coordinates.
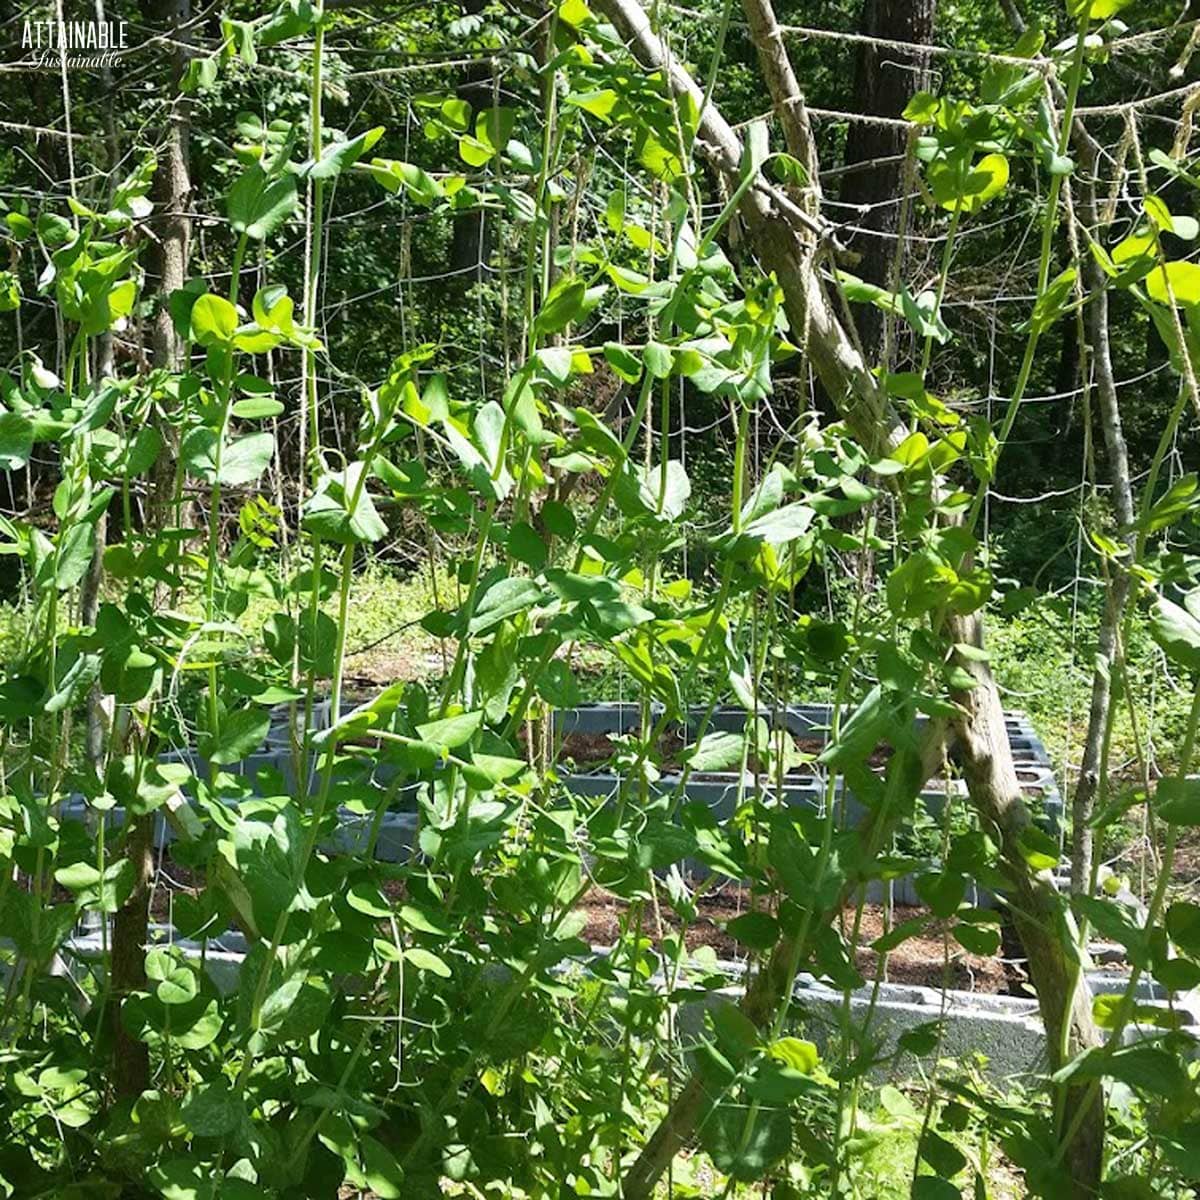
(884, 82)
(169, 250)
(1096, 313)
(783, 238)
(167, 268)
(1043, 921)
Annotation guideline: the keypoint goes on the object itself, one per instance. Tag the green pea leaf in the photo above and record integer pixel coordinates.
(743, 1150)
(1177, 630)
(258, 204)
(504, 599)
(16, 441)
(211, 1110)
(213, 320)
(337, 158)
(758, 930)
(795, 1053)
(451, 732)
(1177, 800)
(241, 732)
(426, 960)
(562, 305)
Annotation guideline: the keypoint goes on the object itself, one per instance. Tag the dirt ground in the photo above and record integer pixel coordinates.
(593, 749)
(927, 960)
(919, 960)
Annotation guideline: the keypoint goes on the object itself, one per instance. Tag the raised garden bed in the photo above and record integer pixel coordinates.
(985, 1008)
(585, 736)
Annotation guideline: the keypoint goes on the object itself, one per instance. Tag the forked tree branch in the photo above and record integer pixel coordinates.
(783, 239)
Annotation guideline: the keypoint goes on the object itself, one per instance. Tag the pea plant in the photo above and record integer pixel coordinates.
(312, 1017)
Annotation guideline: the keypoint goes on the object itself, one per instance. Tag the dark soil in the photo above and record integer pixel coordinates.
(926, 960)
(595, 749)
(171, 880)
(929, 960)
(588, 749)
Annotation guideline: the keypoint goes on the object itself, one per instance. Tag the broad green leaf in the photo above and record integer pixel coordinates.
(526, 546)
(650, 491)
(943, 1156)
(426, 960)
(743, 1150)
(1183, 926)
(968, 191)
(179, 987)
(793, 1052)
(1038, 848)
(1096, 10)
(1177, 631)
(74, 555)
(1143, 1067)
(296, 1009)
(758, 930)
(257, 408)
(417, 182)
(16, 441)
(241, 732)
(183, 1179)
(341, 509)
(336, 158)
(243, 460)
(561, 306)
(451, 732)
(556, 361)
(781, 526)
(1177, 800)
(659, 359)
(931, 1187)
(624, 362)
(1179, 279)
(214, 320)
(211, 1110)
(558, 519)
(380, 1170)
(1051, 304)
(1182, 496)
(10, 291)
(505, 598)
(977, 939)
(574, 12)
(258, 204)
(600, 103)
(717, 751)
(257, 867)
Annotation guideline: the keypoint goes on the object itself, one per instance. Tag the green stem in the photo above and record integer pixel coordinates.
(316, 225)
(1126, 1005)
(943, 277)
(1049, 225)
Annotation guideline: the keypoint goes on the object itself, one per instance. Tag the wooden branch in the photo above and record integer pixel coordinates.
(785, 91)
(168, 270)
(1038, 909)
(783, 243)
(1105, 385)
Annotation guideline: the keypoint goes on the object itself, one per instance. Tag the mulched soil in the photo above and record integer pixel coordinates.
(586, 749)
(172, 880)
(918, 961)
